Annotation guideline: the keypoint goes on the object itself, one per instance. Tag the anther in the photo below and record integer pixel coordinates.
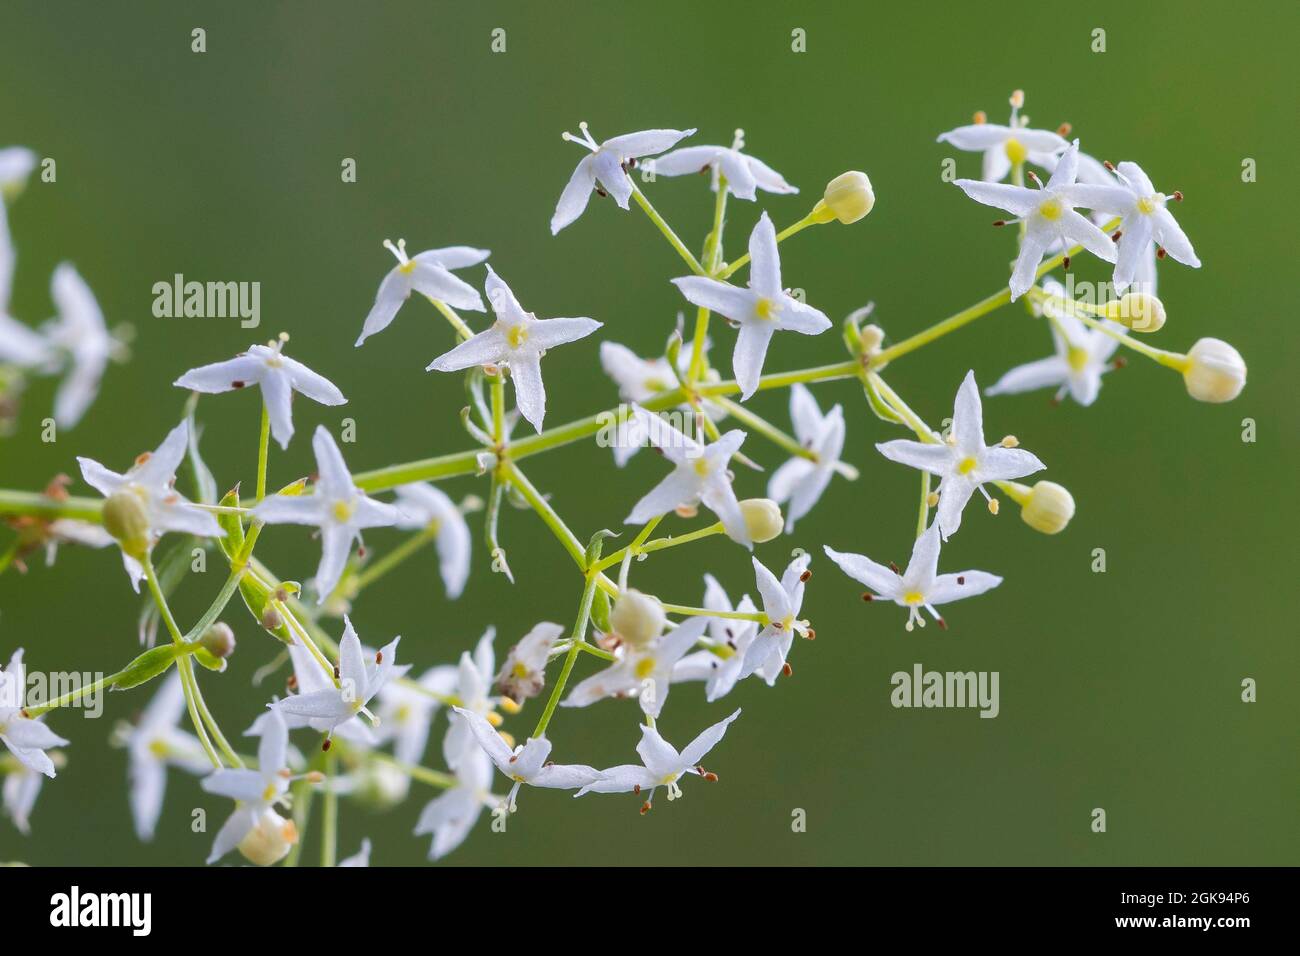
(943, 625)
(993, 506)
(1115, 236)
(1010, 441)
(893, 567)
(1065, 262)
(237, 384)
(961, 579)
(999, 222)
(601, 193)
(980, 118)
(1034, 176)
(805, 576)
(1178, 195)
(1017, 98)
(1108, 164)
(709, 777)
(637, 789)
(932, 499)
(326, 744)
(336, 672)
(1160, 252)
(1064, 129)
(868, 597)
(379, 657)
(646, 807)
(1119, 362)
(787, 670)
(810, 634)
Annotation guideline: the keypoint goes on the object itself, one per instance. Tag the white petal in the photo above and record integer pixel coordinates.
(751, 350)
(237, 826)
(706, 741)
(1172, 238)
(968, 417)
(334, 480)
(1032, 248)
(486, 348)
(682, 487)
(645, 143)
(880, 579)
(776, 602)
(1004, 464)
(436, 282)
(223, 376)
(277, 396)
(393, 291)
(689, 159)
(1051, 371)
(720, 297)
(934, 458)
(976, 137)
(530, 392)
(548, 333)
(336, 547)
(1016, 200)
(576, 195)
(315, 386)
(764, 259)
(947, 589)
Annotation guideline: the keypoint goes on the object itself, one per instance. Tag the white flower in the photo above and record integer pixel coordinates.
(518, 339)
(759, 311)
(147, 486)
(474, 676)
(919, 586)
(700, 475)
(336, 506)
(1145, 220)
(782, 602)
(1082, 356)
(405, 713)
(661, 764)
(523, 675)
(16, 164)
(451, 816)
(743, 173)
(26, 738)
(605, 167)
(644, 671)
(153, 745)
(78, 329)
(720, 666)
(421, 505)
(1004, 145)
(1049, 216)
(277, 375)
(21, 788)
(256, 792)
(800, 481)
(19, 345)
(360, 858)
(428, 273)
(526, 763)
(309, 676)
(964, 463)
(358, 681)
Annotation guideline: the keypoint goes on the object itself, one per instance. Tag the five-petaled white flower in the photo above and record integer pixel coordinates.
(147, 486)
(523, 674)
(760, 310)
(605, 170)
(700, 475)
(963, 463)
(526, 763)
(743, 173)
(1144, 220)
(1004, 146)
(420, 506)
(336, 506)
(359, 680)
(153, 745)
(78, 329)
(782, 602)
(428, 273)
(801, 481)
(661, 765)
(1049, 216)
(721, 665)
(277, 375)
(1082, 356)
(451, 816)
(518, 339)
(645, 672)
(256, 792)
(920, 586)
(26, 738)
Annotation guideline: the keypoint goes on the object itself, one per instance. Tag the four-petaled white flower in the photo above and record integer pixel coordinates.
(661, 765)
(518, 339)
(78, 329)
(1082, 356)
(1004, 146)
(153, 745)
(336, 506)
(256, 792)
(782, 602)
(1049, 217)
(26, 738)
(743, 173)
(420, 505)
(526, 763)
(920, 586)
(523, 675)
(700, 475)
(801, 481)
(359, 680)
(451, 816)
(428, 273)
(605, 170)
(644, 672)
(760, 310)
(149, 484)
(721, 665)
(1144, 220)
(275, 373)
(964, 463)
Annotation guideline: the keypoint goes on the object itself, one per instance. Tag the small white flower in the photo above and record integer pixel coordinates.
(700, 475)
(359, 680)
(428, 273)
(800, 481)
(16, 164)
(1049, 216)
(661, 764)
(782, 602)
(518, 339)
(277, 375)
(26, 738)
(474, 676)
(405, 714)
(19, 345)
(759, 310)
(1082, 356)
(79, 330)
(720, 666)
(605, 170)
(644, 672)
(421, 505)
(21, 788)
(523, 675)
(919, 586)
(526, 763)
(743, 173)
(964, 463)
(255, 791)
(451, 816)
(1004, 145)
(360, 858)
(153, 745)
(1145, 222)
(336, 506)
(309, 676)
(149, 483)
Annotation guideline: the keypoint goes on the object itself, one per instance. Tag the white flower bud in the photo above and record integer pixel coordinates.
(269, 841)
(126, 519)
(219, 640)
(1138, 311)
(763, 519)
(1048, 508)
(1215, 371)
(637, 618)
(848, 198)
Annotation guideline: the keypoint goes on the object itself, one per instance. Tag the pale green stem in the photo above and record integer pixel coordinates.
(667, 230)
(382, 565)
(576, 640)
(1173, 360)
(781, 236)
(433, 778)
(499, 407)
(923, 519)
(766, 429)
(712, 258)
(263, 450)
(705, 612)
(463, 331)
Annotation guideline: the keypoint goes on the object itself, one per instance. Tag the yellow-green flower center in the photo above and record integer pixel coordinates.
(1051, 210)
(516, 336)
(913, 598)
(645, 667)
(1077, 358)
(342, 510)
(966, 466)
(766, 309)
(1016, 151)
(1147, 205)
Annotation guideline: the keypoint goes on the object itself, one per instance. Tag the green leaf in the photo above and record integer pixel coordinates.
(233, 542)
(879, 406)
(209, 660)
(600, 611)
(146, 667)
(255, 597)
(597, 544)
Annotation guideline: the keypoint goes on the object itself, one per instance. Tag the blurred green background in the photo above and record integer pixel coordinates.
(1119, 690)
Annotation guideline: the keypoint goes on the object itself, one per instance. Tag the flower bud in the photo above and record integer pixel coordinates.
(763, 519)
(871, 336)
(1140, 311)
(269, 841)
(382, 786)
(848, 198)
(271, 619)
(1215, 371)
(1048, 507)
(219, 640)
(637, 618)
(126, 519)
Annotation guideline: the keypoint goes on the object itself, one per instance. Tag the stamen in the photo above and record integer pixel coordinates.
(980, 118)
(1010, 441)
(1017, 99)
(1160, 252)
(932, 499)
(646, 807)
(787, 670)
(1064, 129)
(379, 657)
(961, 579)
(1178, 195)
(326, 744)
(893, 567)
(738, 141)
(1108, 164)
(805, 576)
(398, 250)
(1065, 262)
(1034, 177)
(943, 625)
(1119, 362)
(993, 506)
(868, 597)
(1115, 236)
